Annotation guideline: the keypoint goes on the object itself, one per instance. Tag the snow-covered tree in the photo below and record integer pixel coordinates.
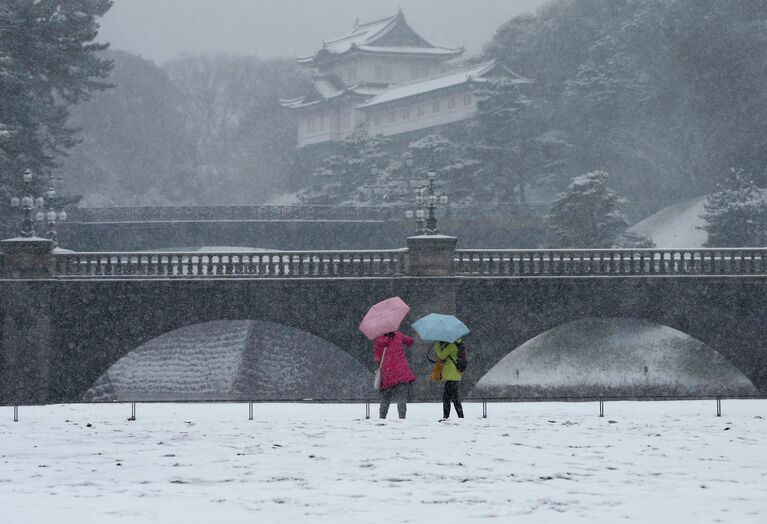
(736, 215)
(436, 153)
(48, 62)
(351, 174)
(589, 215)
(514, 141)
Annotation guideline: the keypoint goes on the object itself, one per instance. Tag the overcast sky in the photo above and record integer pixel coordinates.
(161, 30)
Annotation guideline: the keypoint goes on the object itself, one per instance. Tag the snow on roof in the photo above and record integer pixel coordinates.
(363, 36)
(368, 90)
(442, 81)
(327, 88)
(436, 50)
(295, 103)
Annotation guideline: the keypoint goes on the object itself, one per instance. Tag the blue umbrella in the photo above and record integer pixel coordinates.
(440, 327)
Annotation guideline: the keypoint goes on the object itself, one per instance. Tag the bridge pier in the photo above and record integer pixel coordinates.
(25, 356)
(431, 256)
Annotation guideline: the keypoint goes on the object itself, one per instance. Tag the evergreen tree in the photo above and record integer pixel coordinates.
(642, 88)
(513, 141)
(736, 215)
(502, 110)
(48, 61)
(436, 153)
(352, 173)
(589, 215)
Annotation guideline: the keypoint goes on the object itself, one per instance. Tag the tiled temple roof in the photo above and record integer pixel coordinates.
(370, 37)
(456, 77)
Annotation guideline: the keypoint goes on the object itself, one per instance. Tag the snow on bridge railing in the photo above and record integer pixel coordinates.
(611, 262)
(261, 264)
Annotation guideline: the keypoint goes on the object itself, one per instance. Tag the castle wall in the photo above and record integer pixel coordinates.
(385, 69)
(430, 110)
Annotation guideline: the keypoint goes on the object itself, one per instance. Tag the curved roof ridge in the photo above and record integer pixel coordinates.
(378, 21)
(482, 66)
(443, 80)
(367, 34)
(359, 30)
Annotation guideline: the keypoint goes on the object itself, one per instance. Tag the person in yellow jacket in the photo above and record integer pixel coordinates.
(447, 352)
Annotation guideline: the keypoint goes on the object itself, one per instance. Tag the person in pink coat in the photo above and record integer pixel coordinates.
(396, 376)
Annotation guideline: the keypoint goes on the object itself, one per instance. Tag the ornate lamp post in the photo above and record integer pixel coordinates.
(432, 200)
(427, 200)
(48, 213)
(46, 209)
(419, 213)
(26, 203)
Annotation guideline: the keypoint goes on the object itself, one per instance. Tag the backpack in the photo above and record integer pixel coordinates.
(461, 362)
(463, 359)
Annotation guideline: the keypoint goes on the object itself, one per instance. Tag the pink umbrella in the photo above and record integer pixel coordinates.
(384, 317)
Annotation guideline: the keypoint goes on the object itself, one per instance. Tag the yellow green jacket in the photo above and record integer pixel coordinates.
(448, 354)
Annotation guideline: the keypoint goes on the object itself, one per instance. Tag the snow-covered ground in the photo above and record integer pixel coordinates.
(675, 226)
(538, 462)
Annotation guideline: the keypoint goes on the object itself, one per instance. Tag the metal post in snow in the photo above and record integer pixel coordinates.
(601, 408)
(132, 411)
(367, 410)
(15, 413)
(250, 410)
(718, 406)
(484, 409)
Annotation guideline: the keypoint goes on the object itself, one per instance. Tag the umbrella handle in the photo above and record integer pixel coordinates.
(428, 357)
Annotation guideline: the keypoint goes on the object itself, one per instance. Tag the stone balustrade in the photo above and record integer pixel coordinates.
(275, 264)
(424, 256)
(611, 262)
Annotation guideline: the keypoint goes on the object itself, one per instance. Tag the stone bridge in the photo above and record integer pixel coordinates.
(68, 316)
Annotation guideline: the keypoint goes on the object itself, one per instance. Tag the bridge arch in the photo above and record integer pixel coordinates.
(728, 315)
(95, 323)
(594, 357)
(228, 360)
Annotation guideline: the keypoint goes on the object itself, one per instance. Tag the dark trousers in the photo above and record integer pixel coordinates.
(400, 392)
(451, 394)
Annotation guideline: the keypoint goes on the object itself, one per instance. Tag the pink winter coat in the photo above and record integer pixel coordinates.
(396, 369)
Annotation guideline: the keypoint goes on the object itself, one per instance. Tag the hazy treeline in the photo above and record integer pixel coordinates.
(198, 130)
(665, 95)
